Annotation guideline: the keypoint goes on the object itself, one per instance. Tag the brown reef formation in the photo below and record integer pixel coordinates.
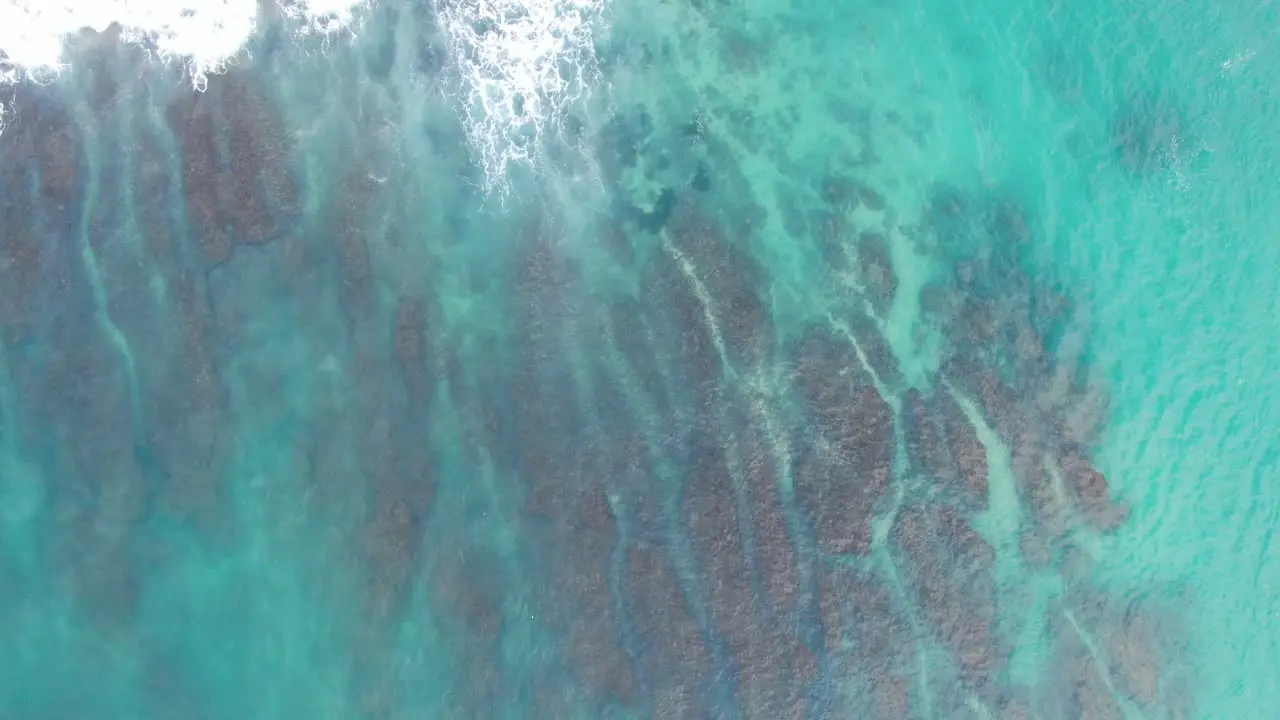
(702, 512)
(236, 164)
(713, 556)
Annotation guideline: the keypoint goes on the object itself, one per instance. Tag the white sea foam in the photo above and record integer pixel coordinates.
(33, 33)
(521, 66)
(202, 36)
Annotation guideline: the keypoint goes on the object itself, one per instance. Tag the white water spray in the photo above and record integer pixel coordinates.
(522, 65)
(202, 36)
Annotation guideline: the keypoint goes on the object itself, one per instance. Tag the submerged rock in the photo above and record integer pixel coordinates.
(926, 449)
(579, 601)
(672, 656)
(1075, 685)
(840, 476)
(833, 501)
(1091, 492)
(709, 505)
(775, 554)
(733, 283)
(411, 351)
(683, 332)
(254, 199)
(967, 451)
(875, 348)
(950, 568)
(391, 536)
(869, 641)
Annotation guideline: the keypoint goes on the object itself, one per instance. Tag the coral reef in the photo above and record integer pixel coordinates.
(724, 481)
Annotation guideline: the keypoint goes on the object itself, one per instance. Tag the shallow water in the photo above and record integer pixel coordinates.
(906, 361)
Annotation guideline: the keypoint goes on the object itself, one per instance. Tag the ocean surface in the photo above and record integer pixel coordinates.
(689, 359)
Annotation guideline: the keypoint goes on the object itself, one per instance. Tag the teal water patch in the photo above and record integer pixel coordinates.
(1176, 257)
(907, 361)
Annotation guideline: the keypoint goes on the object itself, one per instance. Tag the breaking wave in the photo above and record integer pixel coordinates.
(521, 66)
(517, 66)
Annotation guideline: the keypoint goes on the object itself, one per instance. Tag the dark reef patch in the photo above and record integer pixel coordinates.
(684, 334)
(468, 591)
(103, 491)
(195, 131)
(235, 158)
(701, 179)
(840, 475)
(259, 149)
(622, 139)
(672, 654)
(771, 665)
(1089, 489)
(42, 148)
(1029, 391)
(391, 541)
(1134, 642)
(72, 411)
(349, 214)
(836, 501)
(32, 266)
(546, 283)
(1030, 444)
(186, 406)
(380, 57)
(395, 453)
(634, 340)
(618, 243)
(868, 639)
(1014, 349)
(595, 640)
(59, 152)
(844, 194)
(573, 462)
(731, 280)
(828, 372)
(967, 451)
(1007, 222)
(775, 554)
(927, 453)
(1133, 651)
(997, 401)
(548, 423)
(548, 433)
(1076, 685)
(411, 350)
(875, 348)
(468, 585)
(98, 59)
(950, 567)
(709, 503)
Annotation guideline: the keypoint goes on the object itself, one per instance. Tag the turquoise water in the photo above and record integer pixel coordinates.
(771, 389)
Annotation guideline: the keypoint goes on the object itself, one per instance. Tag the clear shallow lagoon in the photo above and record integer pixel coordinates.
(748, 362)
